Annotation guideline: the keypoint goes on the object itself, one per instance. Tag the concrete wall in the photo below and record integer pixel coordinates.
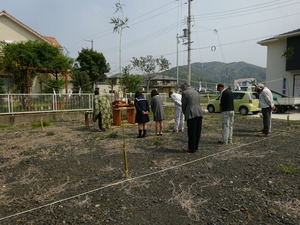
(18, 119)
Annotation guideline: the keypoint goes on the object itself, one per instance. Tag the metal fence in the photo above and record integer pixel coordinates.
(30, 103)
(33, 103)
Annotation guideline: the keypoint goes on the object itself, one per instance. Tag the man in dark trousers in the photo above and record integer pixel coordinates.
(193, 115)
(227, 113)
(266, 103)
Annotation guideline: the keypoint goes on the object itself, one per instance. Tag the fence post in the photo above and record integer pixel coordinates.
(90, 102)
(54, 102)
(8, 102)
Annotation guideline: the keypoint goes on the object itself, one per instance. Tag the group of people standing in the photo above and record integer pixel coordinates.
(142, 112)
(266, 104)
(187, 107)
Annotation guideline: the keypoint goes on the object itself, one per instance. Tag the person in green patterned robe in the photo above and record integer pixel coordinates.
(102, 111)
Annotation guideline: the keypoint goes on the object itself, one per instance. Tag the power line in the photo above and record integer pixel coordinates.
(224, 15)
(245, 24)
(248, 8)
(130, 24)
(157, 34)
(165, 30)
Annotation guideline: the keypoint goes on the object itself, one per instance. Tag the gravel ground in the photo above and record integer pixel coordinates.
(65, 174)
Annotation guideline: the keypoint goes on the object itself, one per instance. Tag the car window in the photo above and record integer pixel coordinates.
(238, 95)
(254, 96)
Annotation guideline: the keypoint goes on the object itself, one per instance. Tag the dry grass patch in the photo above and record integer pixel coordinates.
(5, 200)
(108, 168)
(187, 200)
(167, 163)
(30, 175)
(234, 154)
(291, 207)
(82, 203)
(132, 185)
(42, 195)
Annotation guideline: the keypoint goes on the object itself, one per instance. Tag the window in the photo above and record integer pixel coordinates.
(293, 62)
(238, 95)
(254, 96)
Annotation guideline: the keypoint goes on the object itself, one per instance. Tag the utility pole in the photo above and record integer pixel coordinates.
(92, 43)
(177, 69)
(189, 41)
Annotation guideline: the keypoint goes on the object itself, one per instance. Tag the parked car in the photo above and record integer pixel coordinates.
(244, 102)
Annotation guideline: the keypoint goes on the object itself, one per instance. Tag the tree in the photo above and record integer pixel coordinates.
(150, 66)
(81, 80)
(131, 83)
(120, 24)
(56, 85)
(1, 85)
(39, 56)
(93, 64)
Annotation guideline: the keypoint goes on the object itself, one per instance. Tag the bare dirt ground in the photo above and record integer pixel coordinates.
(66, 174)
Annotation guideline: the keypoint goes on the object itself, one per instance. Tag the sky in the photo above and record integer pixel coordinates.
(225, 31)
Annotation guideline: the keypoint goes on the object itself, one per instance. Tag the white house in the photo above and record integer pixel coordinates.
(13, 30)
(283, 63)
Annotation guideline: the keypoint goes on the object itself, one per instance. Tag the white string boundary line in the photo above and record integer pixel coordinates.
(135, 178)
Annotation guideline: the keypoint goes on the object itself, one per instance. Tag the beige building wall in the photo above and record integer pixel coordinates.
(276, 72)
(11, 31)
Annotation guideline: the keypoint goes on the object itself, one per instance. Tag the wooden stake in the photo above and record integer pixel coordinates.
(86, 119)
(42, 124)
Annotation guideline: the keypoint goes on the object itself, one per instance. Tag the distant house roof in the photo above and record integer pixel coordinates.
(117, 75)
(163, 77)
(50, 40)
(280, 37)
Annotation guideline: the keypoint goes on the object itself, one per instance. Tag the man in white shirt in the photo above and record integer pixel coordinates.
(178, 117)
(266, 104)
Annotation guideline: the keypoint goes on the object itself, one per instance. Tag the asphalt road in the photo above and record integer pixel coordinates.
(293, 115)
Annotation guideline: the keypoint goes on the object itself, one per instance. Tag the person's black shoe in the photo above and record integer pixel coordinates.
(187, 150)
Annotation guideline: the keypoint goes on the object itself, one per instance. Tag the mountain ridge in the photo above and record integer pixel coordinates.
(217, 72)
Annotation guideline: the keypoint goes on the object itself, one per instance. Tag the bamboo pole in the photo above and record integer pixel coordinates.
(124, 149)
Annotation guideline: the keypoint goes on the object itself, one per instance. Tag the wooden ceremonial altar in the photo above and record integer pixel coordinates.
(118, 111)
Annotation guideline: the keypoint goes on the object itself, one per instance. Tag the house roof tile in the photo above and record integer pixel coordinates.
(280, 36)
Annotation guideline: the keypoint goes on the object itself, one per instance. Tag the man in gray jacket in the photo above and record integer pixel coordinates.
(193, 115)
